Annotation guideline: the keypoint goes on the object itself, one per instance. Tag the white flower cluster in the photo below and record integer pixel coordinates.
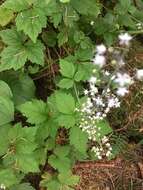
(105, 88)
(2, 187)
(104, 149)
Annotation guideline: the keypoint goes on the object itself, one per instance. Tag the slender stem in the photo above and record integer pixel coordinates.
(76, 92)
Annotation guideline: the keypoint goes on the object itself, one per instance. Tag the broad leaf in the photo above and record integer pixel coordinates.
(5, 16)
(31, 21)
(66, 83)
(78, 139)
(27, 163)
(65, 103)
(66, 120)
(7, 177)
(19, 50)
(6, 110)
(5, 91)
(21, 85)
(18, 5)
(90, 8)
(61, 164)
(67, 68)
(62, 151)
(23, 186)
(36, 111)
(104, 128)
(68, 179)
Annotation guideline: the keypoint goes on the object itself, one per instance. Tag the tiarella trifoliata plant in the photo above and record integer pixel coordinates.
(106, 87)
(57, 89)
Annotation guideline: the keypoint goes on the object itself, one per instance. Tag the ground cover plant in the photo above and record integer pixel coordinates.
(70, 88)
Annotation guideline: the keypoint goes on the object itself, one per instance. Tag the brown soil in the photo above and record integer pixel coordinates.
(112, 175)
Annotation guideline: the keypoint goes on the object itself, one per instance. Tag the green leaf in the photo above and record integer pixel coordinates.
(7, 177)
(61, 164)
(23, 186)
(66, 83)
(53, 185)
(5, 91)
(13, 57)
(68, 179)
(21, 85)
(31, 21)
(34, 52)
(78, 139)
(65, 102)
(50, 38)
(104, 128)
(12, 37)
(84, 55)
(6, 110)
(66, 120)
(18, 5)
(4, 139)
(19, 50)
(67, 68)
(62, 151)
(27, 163)
(5, 16)
(36, 111)
(125, 3)
(84, 71)
(62, 37)
(90, 8)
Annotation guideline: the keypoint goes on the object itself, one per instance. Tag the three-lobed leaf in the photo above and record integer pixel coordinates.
(31, 21)
(36, 111)
(19, 50)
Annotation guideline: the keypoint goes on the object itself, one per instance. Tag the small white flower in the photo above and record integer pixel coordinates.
(108, 153)
(122, 91)
(104, 139)
(111, 49)
(2, 186)
(99, 157)
(139, 74)
(93, 80)
(92, 23)
(124, 39)
(111, 102)
(100, 49)
(121, 62)
(99, 60)
(123, 79)
(86, 92)
(99, 101)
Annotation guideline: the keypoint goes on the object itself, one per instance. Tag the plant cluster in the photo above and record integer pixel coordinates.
(37, 35)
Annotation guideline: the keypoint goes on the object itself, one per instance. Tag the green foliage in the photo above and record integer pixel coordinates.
(78, 139)
(22, 186)
(6, 104)
(44, 42)
(19, 50)
(21, 85)
(7, 177)
(36, 111)
(5, 16)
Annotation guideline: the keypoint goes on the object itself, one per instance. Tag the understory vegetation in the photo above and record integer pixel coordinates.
(71, 90)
